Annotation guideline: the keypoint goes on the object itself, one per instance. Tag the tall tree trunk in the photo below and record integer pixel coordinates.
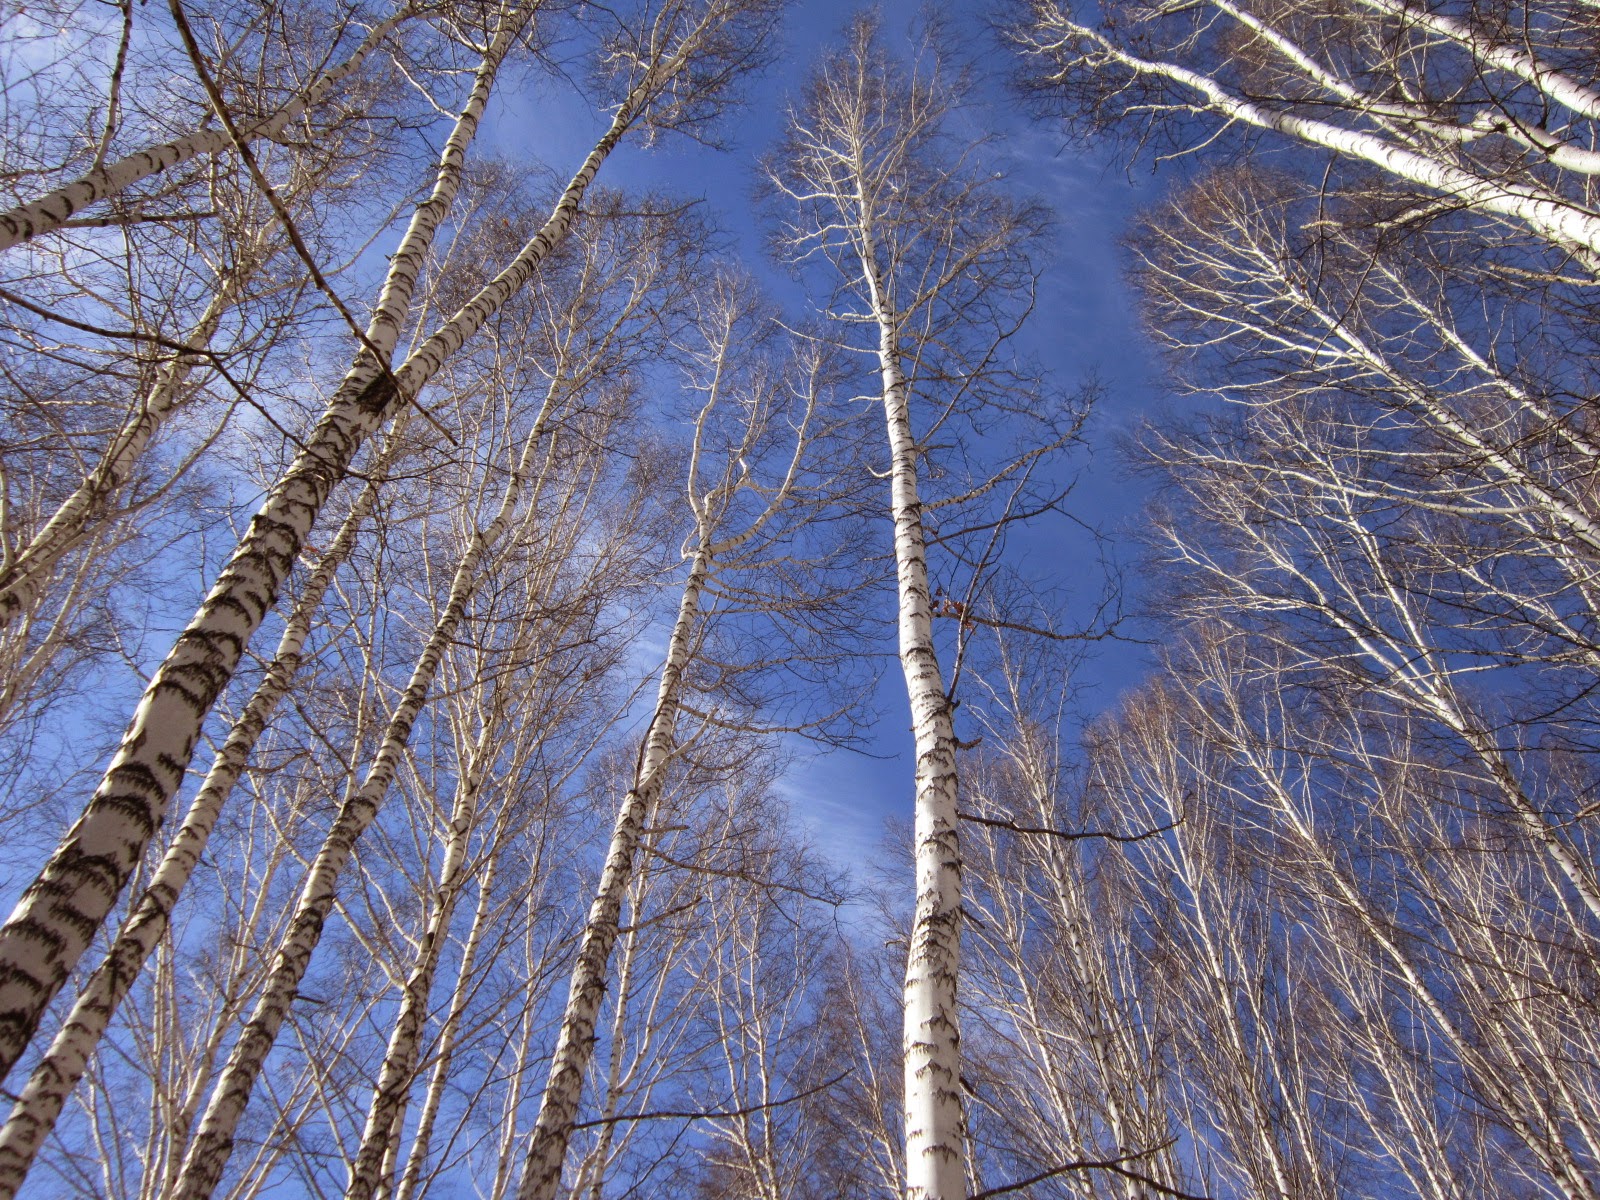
(62, 908)
(208, 1154)
(935, 1132)
(52, 1080)
(411, 1177)
(386, 1112)
(558, 1108)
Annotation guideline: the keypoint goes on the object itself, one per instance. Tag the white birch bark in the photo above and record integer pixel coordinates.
(934, 1129)
(208, 1153)
(422, 1140)
(591, 1173)
(935, 1136)
(50, 212)
(1562, 221)
(60, 910)
(899, 208)
(39, 1105)
(1518, 61)
(558, 1108)
(386, 1111)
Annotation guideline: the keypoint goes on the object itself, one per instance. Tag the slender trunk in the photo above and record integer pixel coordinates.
(934, 1128)
(386, 1112)
(591, 1178)
(52, 1080)
(62, 908)
(558, 1108)
(208, 1153)
(28, 572)
(50, 212)
(411, 1178)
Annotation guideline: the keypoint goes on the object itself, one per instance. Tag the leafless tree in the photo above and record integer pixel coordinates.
(923, 260)
(1490, 110)
(675, 63)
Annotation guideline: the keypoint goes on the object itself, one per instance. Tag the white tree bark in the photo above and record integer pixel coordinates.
(422, 1140)
(897, 205)
(935, 1131)
(53, 921)
(1512, 59)
(39, 1105)
(935, 1125)
(1561, 220)
(386, 1111)
(208, 1153)
(50, 212)
(558, 1108)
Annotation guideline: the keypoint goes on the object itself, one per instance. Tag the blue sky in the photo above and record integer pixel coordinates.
(1084, 326)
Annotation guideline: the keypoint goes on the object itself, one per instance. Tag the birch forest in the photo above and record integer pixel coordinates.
(593, 606)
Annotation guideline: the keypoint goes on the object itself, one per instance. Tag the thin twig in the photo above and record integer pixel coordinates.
(718, 1115)
(1064, 834)
(219, 106)
(1114, 1165)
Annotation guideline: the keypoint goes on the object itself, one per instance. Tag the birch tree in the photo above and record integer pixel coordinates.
(923, 259)
(1489, 111)
(742, 487)
(675, 62)
(289, 91)
(538, 456)
(216, 221)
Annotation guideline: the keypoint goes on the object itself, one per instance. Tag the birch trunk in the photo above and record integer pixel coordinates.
(1514, 60)
(52, 1080)
(208, 1154)
(592, 1170)
(1560, 220)
(386, 1112)
(49, 213)
(61, 909)
(558, 1108)
(934, 1129)
(411, 1178)
(29, 571)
